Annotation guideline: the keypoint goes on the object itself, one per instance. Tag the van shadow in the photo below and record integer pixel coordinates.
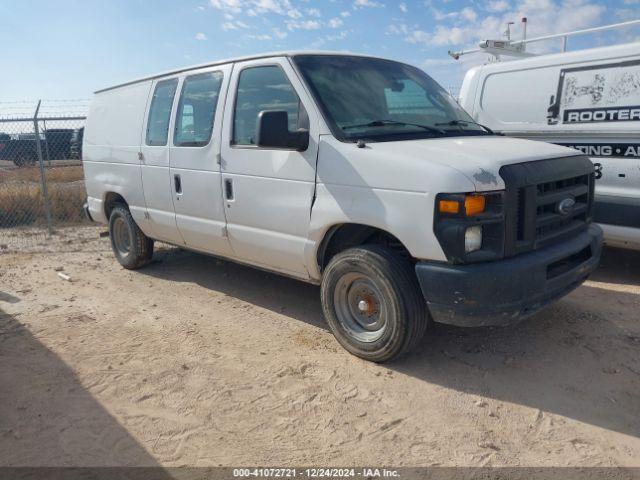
(618, 266)
(570, 359)
(290, 297)
(49, 419)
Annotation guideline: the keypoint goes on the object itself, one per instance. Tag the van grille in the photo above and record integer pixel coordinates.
(535, 193)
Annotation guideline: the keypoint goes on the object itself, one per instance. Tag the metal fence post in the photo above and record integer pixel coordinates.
(43, 180)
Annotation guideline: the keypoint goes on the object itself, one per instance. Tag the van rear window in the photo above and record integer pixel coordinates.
(160, 112)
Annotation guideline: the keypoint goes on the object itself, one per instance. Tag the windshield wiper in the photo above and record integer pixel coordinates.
(464, 123)
(384, 123)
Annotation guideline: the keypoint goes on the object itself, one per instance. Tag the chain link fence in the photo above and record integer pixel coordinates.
(41, 178)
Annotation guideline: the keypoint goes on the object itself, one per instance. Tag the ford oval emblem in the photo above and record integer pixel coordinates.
(565, 207)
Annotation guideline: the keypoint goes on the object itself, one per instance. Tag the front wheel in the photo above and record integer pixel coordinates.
(24, 159)
(373, 303)
(132, 248)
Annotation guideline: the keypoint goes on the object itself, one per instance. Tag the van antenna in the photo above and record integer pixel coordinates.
(508, 32)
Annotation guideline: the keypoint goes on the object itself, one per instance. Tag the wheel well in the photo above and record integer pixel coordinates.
(111, 200)
(348, 235)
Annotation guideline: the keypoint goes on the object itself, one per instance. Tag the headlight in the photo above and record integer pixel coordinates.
(470, 226)
(472, 239)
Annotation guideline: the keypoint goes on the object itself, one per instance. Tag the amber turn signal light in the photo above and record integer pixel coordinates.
(449, 206)
(474, 204)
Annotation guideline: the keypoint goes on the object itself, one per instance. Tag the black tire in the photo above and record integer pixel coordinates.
(132, 248)
(24, 159)
(392, 319)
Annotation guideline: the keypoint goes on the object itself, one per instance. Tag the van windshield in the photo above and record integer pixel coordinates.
(375, 99)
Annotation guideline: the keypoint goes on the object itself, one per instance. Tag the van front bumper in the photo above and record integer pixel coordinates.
(506, 291)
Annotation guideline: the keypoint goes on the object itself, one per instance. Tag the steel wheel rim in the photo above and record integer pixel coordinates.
(359, 307)
(121, 237)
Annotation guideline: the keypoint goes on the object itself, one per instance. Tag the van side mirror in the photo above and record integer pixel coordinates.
(273, 132)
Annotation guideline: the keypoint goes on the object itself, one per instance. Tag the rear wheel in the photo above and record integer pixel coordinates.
(24, 159)
(132, 248)
(373, 303)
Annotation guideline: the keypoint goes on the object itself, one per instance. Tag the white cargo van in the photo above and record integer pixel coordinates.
(588, 100)
(356, 173)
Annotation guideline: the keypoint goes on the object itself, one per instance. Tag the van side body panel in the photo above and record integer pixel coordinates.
(110, 151)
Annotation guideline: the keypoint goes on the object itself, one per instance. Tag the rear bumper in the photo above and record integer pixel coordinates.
(87, 212)
(505, 291)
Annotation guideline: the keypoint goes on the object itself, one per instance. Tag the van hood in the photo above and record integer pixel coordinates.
(479, 158)
(450, 164)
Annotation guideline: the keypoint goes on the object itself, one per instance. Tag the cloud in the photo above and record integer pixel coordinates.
(271, 6)
(366, 4)
(450, 36)
(338, 36)
(313, 12)
(259, 37)
(467, 14)
(279, 33)
(403, 7)
(397, 29)
(237, 25)
(294, 13)
(317, 43)
(419, 36)
(303, 25)
(200, 36)
(233, 6)
(335, 22)
(253, 8)
(345, 14)
(497, 6)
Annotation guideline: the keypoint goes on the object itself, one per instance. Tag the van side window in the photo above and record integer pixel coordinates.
(197, 109)
(160, 112)
(262, 88)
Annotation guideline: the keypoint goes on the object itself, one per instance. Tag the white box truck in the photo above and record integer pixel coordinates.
(588, 100)
(356, 173)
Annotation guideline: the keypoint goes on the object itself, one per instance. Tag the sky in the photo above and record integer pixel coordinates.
(66, 49)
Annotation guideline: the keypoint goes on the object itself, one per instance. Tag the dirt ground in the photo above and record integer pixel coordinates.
(200, 362)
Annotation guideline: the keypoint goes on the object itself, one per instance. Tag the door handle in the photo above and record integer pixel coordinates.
(177, 182)
(228, 188)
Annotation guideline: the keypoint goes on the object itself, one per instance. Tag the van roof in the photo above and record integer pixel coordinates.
(574, 56)
(288, 53)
